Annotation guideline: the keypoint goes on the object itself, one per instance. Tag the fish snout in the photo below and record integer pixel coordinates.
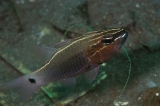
(124, 36)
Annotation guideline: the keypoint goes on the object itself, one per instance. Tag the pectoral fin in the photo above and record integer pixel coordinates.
(91, 74)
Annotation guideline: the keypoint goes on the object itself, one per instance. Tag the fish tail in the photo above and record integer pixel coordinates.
(25, 85)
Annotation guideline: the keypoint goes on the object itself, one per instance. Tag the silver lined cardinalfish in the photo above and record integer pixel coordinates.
(80, 55)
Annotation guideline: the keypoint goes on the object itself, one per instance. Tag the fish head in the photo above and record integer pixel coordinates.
(105, 44)
(111, 40)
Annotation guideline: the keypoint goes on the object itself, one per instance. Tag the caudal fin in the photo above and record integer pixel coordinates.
(25, 85)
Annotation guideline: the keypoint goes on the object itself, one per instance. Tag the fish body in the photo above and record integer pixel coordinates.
(81, 55)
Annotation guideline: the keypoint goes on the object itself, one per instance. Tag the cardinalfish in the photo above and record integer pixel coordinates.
(73, 57)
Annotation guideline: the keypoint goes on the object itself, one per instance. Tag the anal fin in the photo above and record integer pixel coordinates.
(68, 82)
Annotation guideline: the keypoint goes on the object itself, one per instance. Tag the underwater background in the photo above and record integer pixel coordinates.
(27, 23)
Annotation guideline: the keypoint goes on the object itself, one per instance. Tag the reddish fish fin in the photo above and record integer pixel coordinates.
(60, 44)
(91, 74)
(68, 82)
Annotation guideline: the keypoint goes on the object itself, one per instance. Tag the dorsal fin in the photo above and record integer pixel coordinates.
(45, 52)
(63, 43)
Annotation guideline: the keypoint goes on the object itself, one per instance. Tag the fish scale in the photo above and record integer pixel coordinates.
(71, 66)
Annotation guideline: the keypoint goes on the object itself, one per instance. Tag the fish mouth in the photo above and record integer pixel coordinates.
(124, 36)
(118, 34)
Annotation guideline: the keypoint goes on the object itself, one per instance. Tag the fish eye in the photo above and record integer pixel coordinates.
(107, 41)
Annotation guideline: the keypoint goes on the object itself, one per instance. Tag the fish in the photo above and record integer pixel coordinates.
(82, 55)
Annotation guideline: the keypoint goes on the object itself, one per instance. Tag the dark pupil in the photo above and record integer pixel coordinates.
(107, 41)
